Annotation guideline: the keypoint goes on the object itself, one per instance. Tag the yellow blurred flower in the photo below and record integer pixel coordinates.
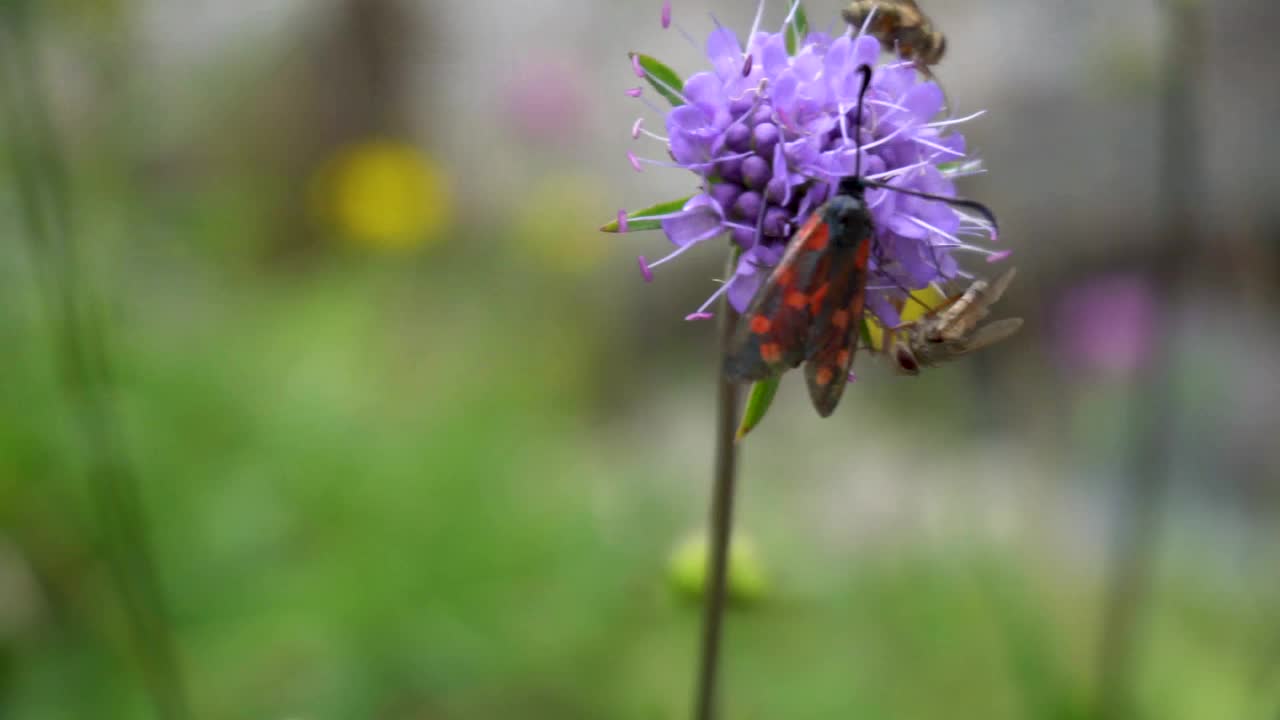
(914, 309)
(552, 223)
(384, 194)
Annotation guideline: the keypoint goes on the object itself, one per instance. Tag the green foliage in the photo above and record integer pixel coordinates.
(663, 79)
(797, 28)
(758, 402)
(636, 219)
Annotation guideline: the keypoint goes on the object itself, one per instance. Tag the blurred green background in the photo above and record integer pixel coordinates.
(322, 397)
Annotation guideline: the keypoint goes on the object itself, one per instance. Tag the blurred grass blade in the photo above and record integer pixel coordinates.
(797, 29)
(636, 220)
(758, 404)
(865, 330)
(663, 79)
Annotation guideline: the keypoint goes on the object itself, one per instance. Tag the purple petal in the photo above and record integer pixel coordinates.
(706, 91)
(924, 101)
(866, 51)
(691, 134)
(774, 57)
(879, 305)
(723, 46)
(747, 279)
(699, 220)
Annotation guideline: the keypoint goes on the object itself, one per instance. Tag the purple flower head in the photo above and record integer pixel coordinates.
(769, 133)
(1105, 326)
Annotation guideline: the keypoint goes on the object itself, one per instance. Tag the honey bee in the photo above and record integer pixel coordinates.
(900, 24)
(951, 330)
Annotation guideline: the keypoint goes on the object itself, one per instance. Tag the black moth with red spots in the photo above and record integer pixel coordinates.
(810, 307)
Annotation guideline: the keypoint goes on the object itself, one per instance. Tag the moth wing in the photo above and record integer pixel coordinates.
(833, 337)
(770, 337)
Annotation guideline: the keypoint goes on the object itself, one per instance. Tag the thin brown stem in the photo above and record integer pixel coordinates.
(721, 524)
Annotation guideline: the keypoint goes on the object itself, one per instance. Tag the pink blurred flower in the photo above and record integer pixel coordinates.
(1106, 325)
(546, 100)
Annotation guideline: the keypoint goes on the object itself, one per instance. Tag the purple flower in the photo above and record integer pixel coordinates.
(770, 133)
(1104, 326)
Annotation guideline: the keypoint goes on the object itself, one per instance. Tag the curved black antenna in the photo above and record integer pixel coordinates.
(865, 71)
(954, 201)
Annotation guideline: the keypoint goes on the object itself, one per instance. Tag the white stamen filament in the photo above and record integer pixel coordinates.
(755, 24)
(678, 251)
(867, 22)
(931, 228)
(719, 291)
(955, 121)
(937, 147)
(886, 103)
(660, 82)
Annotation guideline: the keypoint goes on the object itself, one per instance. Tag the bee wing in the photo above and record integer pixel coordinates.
(833, 337)
(959, 320)
(771, 334)
(934, 353)
(990, 334)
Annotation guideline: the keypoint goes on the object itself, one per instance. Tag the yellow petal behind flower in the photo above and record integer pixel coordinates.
(922, 302)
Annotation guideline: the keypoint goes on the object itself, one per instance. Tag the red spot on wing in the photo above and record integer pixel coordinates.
(775, 330)
(818, 237)
(815, 301)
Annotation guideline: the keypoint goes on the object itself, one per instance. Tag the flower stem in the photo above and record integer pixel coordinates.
(720, 521)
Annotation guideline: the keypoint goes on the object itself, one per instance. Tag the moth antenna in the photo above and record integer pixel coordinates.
(865, 71)
(953, 201)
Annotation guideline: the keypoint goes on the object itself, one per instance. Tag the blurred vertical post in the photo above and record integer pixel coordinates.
(1136, 535)
(43, 188)
(353, 87)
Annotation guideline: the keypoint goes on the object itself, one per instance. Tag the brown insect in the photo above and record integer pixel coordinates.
(951, 330)
(902, 25)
